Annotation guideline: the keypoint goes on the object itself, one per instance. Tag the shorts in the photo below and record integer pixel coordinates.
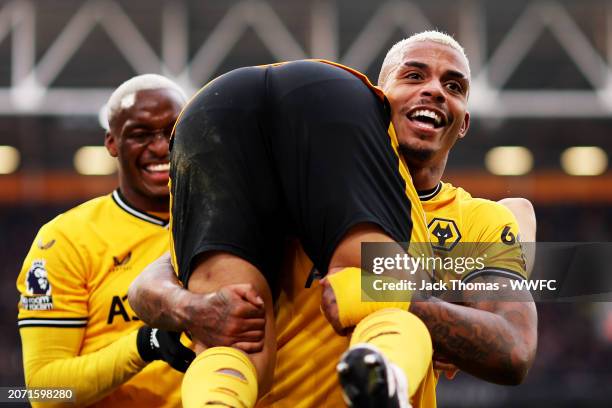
(298, 149)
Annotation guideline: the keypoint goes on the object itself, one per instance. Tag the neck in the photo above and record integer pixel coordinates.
(137, 200)
(426, 175)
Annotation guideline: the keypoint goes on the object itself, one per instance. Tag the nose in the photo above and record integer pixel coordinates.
(434, 91)
(160, 145)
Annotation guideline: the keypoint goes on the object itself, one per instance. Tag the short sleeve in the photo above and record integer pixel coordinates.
(496, 242)
(52, 282)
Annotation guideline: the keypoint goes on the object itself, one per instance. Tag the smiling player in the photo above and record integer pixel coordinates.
(76, 326)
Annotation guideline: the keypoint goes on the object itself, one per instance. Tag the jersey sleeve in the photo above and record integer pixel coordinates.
(50, 360)
(53, 281)
(496, 243)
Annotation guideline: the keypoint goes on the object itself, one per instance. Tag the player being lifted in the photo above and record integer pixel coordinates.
(299, 149)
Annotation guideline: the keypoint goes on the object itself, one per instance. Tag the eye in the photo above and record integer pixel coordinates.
(454, 86)
(413, 75)
(139, 136)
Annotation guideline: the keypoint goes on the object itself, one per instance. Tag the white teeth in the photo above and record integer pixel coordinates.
(159, 167)
(427, 113)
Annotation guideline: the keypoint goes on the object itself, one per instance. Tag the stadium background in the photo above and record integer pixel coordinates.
(542, 81)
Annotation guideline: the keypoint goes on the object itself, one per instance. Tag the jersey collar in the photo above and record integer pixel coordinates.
(427, 195)
(125, 206)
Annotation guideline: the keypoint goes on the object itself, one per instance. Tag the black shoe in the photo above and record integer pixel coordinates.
(369, 381)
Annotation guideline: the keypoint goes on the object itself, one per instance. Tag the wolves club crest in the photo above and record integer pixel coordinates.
(444, 233)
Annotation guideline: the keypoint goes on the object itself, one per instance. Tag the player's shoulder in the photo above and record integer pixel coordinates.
(478, 209)
(484, 209)
(78, 219)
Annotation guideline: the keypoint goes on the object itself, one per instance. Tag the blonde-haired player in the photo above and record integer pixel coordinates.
(77, 329)
(426, 79)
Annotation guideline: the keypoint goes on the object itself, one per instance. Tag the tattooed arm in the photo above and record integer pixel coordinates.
(488, 338)
(231, 316)
(493, 340)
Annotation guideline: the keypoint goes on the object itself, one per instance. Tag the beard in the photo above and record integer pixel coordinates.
(416, 155)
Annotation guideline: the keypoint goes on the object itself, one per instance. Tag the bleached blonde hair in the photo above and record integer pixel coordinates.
(395, 55)
(124, 96)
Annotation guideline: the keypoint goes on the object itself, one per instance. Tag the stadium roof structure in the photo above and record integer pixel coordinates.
(511, 52)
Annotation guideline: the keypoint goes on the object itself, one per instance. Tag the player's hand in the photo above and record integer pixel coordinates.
(156, 344)
(233, 316)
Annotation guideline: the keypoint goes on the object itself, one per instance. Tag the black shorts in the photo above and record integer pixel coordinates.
(297, 149)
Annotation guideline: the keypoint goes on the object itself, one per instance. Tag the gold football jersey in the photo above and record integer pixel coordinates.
(76, 275)
(309, 349)
(483, 233)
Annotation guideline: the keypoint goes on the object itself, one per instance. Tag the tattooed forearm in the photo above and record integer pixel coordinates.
(492, 340)
(155, 295)
(158, 309)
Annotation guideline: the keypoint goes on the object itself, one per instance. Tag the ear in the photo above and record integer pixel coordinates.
(111, 144)
(465, 125)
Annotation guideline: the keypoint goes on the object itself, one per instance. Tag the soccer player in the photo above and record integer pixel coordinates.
(77, 328)
(302, 149)
(307, 346)
(426, 79)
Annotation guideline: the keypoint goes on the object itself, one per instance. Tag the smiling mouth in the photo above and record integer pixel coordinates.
(426, 117)
(158, 168)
